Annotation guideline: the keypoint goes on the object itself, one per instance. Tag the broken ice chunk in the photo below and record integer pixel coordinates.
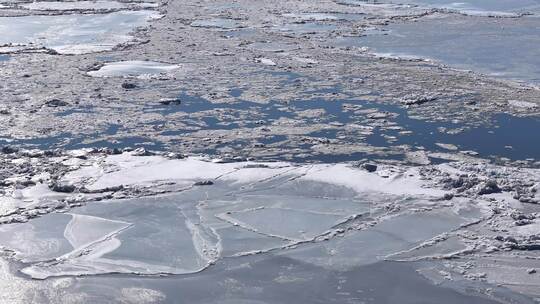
(133, 69)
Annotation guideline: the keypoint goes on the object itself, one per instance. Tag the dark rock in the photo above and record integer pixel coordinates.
(141, 152)
(204, 183)
(9, 150)
(369, 167)
(53, 103)
(448, 196)
(128, 85)
(523, 222)
(108, 189)
(415, 100)
(63, 188)
(527, 247)
(169, 101)
(488, 187)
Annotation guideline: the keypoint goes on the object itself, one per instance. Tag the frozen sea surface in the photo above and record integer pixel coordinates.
(73, 34)
(502, 8)
(84, 5)
(503, 47)
(248, 231)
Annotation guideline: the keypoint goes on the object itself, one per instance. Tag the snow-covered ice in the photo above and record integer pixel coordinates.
(139, 69)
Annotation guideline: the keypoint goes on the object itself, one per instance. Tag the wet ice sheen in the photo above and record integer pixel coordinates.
(471, 7)
(327, 217)
(188, 231)
(500, 47)
(73, 34)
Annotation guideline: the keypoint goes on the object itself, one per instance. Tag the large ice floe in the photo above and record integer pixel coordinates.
(73, 33)
(491, 47)
(85, 5)
(135, 213)
(498, 8)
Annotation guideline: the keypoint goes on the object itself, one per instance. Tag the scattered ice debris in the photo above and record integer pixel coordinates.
(449, 147)
(418, 157)
(312, 17)
(522, 104)
(417, 99)
(140, 69)
(220, 23)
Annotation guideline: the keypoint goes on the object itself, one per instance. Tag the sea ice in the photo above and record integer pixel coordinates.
(485, 45)
(139, 69)
(84, 5)
(501, 8)
(73, 34)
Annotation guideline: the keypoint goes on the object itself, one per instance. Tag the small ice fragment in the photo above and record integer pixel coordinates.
(266, 61)
(133, 69)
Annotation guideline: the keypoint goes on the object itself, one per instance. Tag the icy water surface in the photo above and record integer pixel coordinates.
(257, 153)
(267, 228)
(503, 48)
(279, 281)
(505, 136)
(501, 8)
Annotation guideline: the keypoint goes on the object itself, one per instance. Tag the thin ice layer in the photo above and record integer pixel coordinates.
(130, 236)
(288, 224)
(371, 244)
(499, 47)
(472, 7)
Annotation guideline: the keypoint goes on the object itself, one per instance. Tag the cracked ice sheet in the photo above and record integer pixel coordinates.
(389, 236)
(250, 208)
(144, 236)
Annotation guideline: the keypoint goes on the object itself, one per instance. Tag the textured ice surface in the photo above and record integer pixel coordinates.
(391, 235)
(221, 23)
(84, 5)
(249, 207)
(485, 7)
(133, 68)
(499, 47)
(129, 236)
(288, 224)
(471, 7)
(73, 34)
(188, 216)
